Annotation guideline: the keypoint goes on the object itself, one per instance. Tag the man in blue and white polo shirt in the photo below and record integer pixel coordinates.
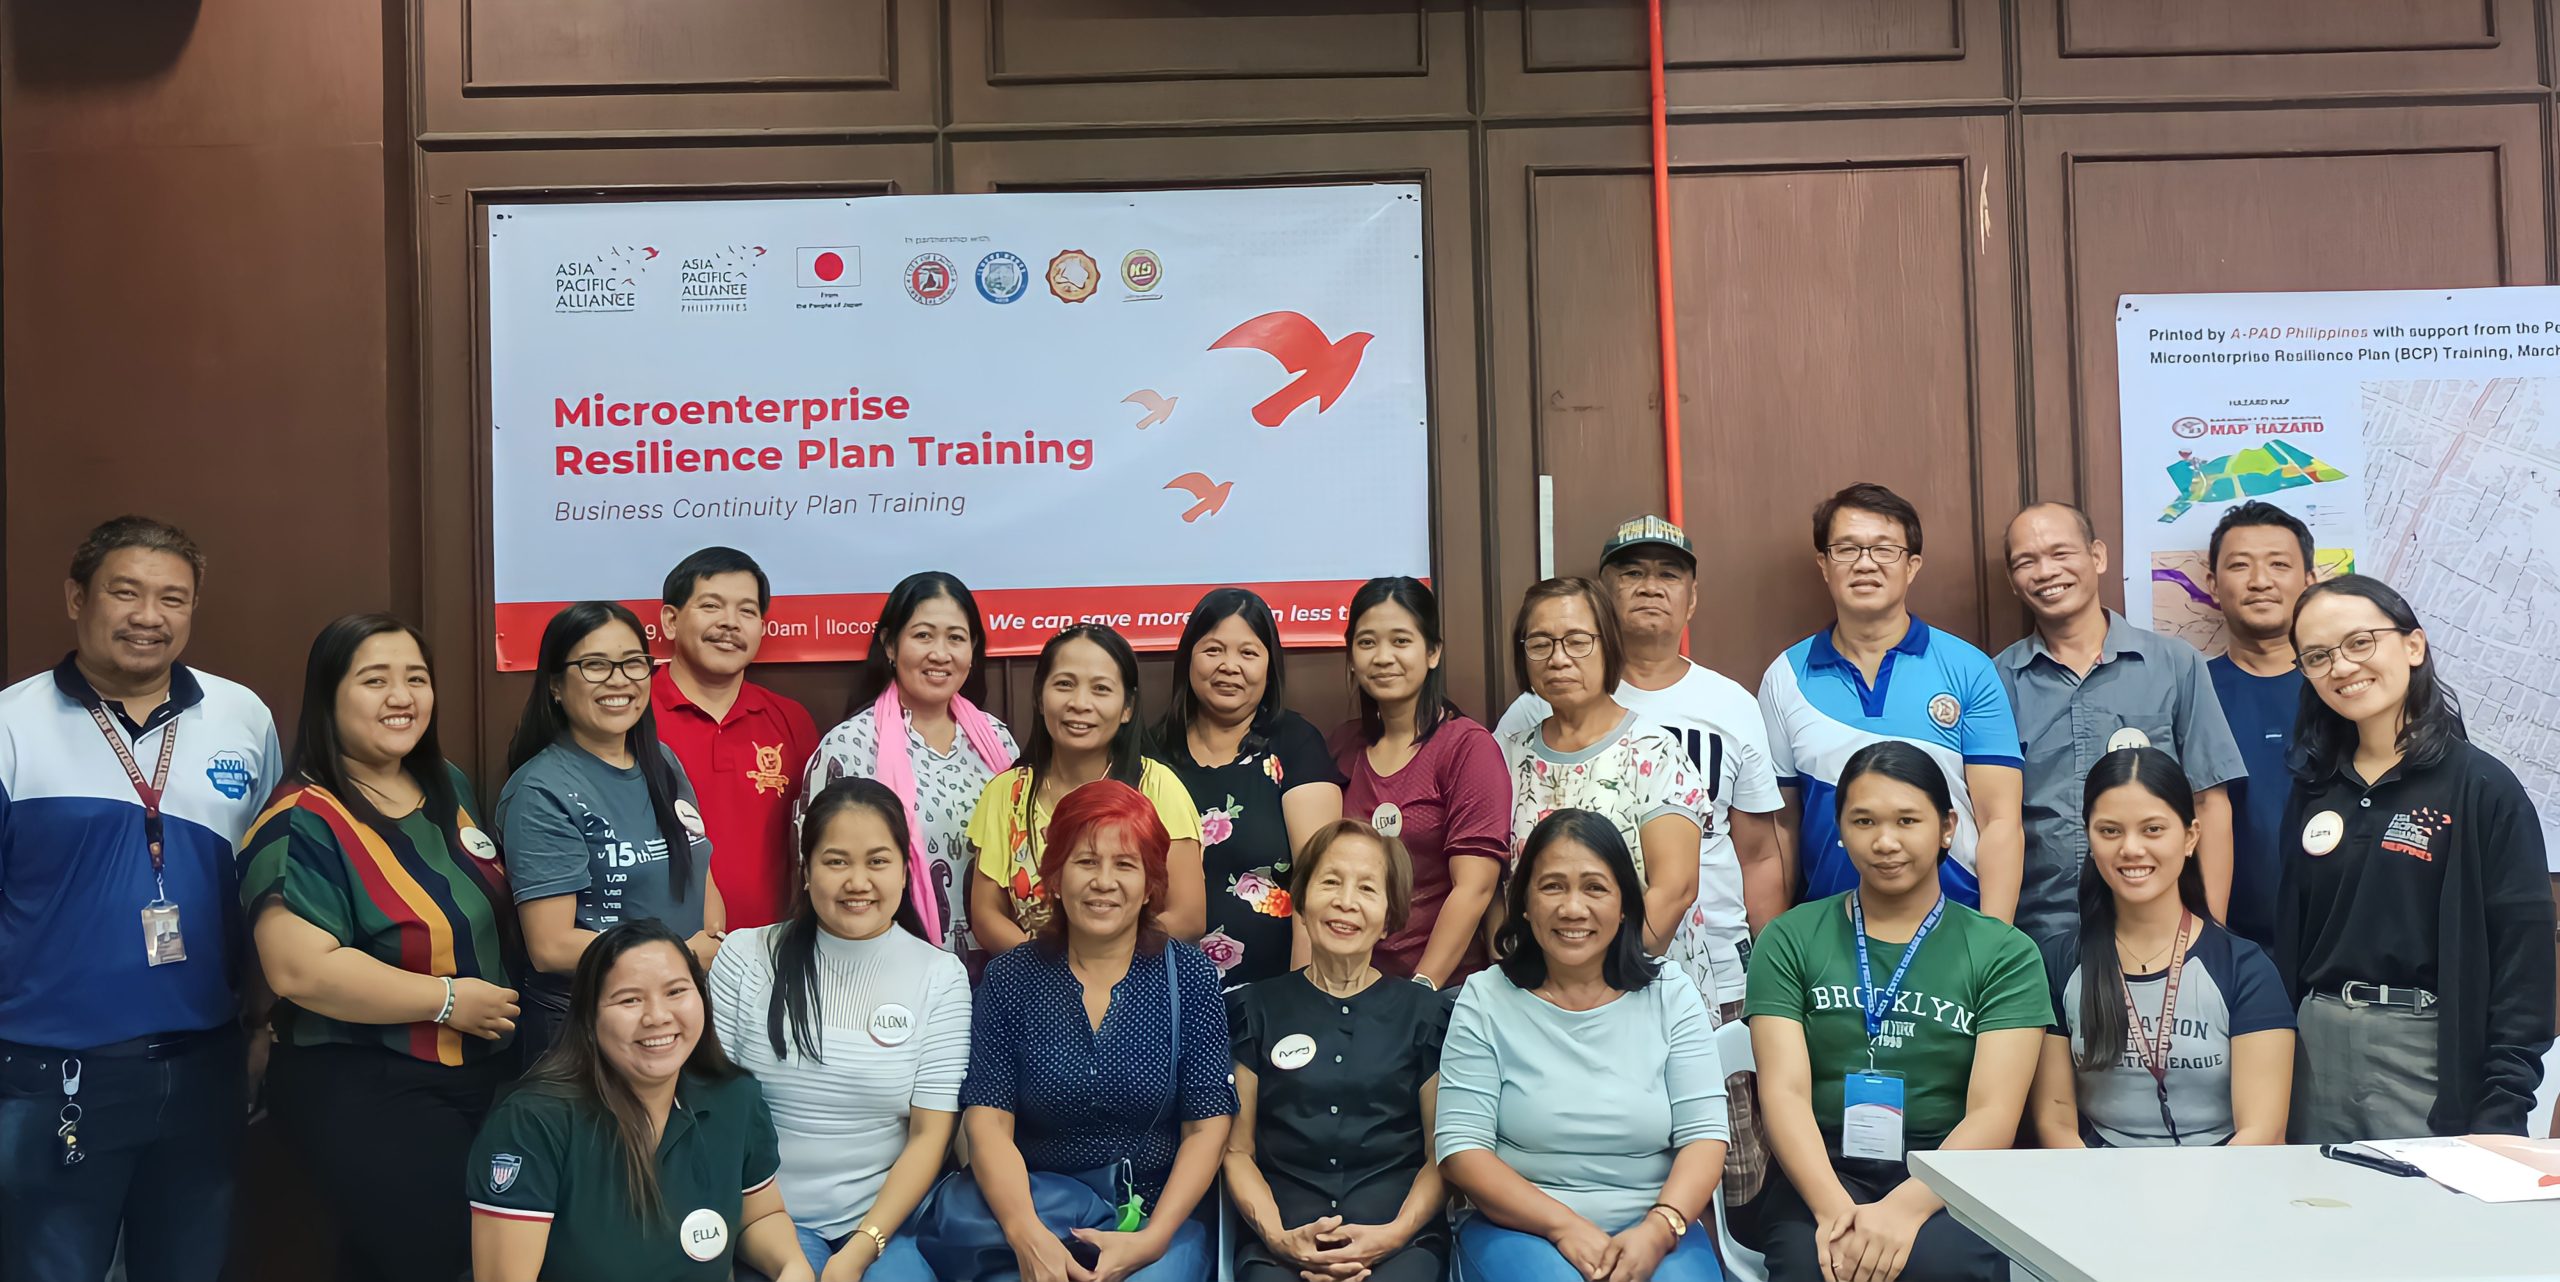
(126, 780)
(1878, 673)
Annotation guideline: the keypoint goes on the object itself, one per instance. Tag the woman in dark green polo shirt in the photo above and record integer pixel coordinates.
(635, 1151)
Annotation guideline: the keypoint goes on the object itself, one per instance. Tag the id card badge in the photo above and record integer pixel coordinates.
(161, 942)
(1871, 1116)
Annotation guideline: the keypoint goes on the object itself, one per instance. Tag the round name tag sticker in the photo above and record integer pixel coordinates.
(689, 817)
(704, 1234)
(2324, 832)
(1295, 1051)
(892, 1025)
(1388, 820)
(2127, 738)
(478, 843)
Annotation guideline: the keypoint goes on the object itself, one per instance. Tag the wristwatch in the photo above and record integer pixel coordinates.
(879, 1240)
(1671, 1216)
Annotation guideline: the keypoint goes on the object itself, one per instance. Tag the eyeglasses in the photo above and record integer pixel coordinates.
(2357, 646)
(1848, 553)
(598, 669)
(1577, 645)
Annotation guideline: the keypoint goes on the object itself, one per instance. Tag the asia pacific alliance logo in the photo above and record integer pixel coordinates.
(1003, 277)
(1141, 270)
(930, 279)
(718, 281)
(1073, 276)
(230, 774)
(2413, 832)
(606, 283)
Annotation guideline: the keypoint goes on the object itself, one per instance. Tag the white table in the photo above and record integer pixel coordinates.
(2234, 1215)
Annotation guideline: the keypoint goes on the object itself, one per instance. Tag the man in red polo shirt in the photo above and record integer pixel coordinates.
(744, 747)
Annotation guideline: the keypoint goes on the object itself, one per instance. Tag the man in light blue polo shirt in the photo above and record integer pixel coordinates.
(126, 780)
(2086, 683)
(1878, 673)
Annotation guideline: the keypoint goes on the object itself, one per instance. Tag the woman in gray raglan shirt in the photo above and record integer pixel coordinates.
(591, 804)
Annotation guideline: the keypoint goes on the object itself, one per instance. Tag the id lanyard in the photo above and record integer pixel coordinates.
(1880, 1004)
(2155, 1052)
(149, 790)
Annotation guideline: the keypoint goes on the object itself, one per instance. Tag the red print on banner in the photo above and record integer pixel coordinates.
(1324, 366)
(1212, 494)
(1158, 407)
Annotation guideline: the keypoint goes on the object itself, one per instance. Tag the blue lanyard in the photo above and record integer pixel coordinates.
(1880, 1004)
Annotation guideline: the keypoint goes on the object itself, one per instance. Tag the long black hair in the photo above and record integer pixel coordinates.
(794, 1009)
(1040, 752)
(544, 723)
(2430, 717)
(2102, 1022)
(1431, 706)
(1625, 967)
(912, 592)
(576, 1067)
(1216, 607)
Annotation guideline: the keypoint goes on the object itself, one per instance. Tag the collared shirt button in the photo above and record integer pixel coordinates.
(2366, 802)
(1333, 1161)
(1346, 1010)
(1337, 1059)
(1336, 1108)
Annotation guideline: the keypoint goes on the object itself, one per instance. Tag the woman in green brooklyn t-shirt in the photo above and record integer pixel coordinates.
(1884, 1020)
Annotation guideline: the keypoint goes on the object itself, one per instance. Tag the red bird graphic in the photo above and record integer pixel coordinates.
(651, 251)
(1159, 408)
(1212, 494)
(1324, 367)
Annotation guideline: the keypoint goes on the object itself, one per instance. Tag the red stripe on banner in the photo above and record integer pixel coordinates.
(837, 626)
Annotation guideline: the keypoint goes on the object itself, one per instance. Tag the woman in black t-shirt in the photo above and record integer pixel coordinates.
(1337, 1075)
(2414, 924)
(1259, 774)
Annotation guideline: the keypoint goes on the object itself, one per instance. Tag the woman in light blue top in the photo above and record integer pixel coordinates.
(1581, 1101)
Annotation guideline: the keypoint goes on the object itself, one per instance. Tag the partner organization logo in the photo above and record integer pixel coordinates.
(829, 266)
(1003, 277)
(607, 283)
(1946, 711)
(1073, 276)
(2189, 428)
(1141, 270)
(717, 281)
(930, 279)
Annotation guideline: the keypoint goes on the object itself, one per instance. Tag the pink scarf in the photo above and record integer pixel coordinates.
(898, 773)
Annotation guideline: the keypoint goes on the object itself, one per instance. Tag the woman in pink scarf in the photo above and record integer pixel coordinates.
(927, 649)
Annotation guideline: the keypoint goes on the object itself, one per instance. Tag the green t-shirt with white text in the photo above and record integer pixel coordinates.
(1974, 975)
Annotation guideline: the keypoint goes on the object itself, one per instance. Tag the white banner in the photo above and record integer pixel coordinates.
(1086, 406)
(2412, 430)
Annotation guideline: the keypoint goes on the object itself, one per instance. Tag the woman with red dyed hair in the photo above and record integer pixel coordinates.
(1098, 1095)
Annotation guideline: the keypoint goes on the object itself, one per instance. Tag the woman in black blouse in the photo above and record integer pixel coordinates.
(1337, 1074)
(1259, 774)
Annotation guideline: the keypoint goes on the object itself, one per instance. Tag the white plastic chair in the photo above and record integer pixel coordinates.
(1733, 1048)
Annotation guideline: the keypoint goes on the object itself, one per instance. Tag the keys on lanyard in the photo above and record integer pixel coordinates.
(69, 1131)
(162, 940)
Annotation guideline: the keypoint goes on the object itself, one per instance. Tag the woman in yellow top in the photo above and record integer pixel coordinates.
(1087, 684)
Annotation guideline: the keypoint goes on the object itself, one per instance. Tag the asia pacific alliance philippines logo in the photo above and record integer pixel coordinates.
(718, 281)
(1002, 277)
(606, 283)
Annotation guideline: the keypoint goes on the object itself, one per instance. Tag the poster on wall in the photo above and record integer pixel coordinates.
(2417, 432)
(1088, 406)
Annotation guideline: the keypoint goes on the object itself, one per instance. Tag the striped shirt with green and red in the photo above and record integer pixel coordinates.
(402, 894)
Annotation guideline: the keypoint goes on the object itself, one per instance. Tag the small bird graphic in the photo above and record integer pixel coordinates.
(1324, 366)
(1159, 408)
(651, 251)
(759, 251)
(1212, 494)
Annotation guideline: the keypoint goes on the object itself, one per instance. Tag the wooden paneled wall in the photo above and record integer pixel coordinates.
(240, 249)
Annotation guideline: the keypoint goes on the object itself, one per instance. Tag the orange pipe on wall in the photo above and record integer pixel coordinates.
(1666, 320)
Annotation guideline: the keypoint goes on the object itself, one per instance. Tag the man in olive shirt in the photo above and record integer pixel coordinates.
(2084, 684)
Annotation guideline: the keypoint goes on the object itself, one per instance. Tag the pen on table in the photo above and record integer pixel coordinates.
(2370, 1161)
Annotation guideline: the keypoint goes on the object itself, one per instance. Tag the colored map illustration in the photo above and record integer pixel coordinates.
(2182, 603)
(2462, 514)
(2251, 473)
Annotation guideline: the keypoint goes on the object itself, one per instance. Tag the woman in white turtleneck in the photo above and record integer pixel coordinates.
(858, 1030)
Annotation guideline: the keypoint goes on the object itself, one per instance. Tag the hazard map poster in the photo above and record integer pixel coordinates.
(1089, 407)
(2417, 432)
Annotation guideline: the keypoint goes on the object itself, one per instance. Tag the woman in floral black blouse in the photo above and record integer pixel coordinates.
(1259, 773)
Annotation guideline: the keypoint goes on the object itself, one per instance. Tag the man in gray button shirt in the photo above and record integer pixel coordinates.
(2085, 683)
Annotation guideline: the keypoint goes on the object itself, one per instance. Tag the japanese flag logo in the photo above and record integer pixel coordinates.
(830, 266)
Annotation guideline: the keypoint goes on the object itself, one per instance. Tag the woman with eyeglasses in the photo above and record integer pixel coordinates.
(599, 823)
(2415, 921)
(2167, 1028)
(1594, 753)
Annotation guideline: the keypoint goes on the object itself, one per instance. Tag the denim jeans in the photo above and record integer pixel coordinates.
(900, 1263)
(1488, 1252)
(161, 1139)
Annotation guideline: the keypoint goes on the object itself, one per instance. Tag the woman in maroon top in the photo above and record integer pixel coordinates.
(1417, 769)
